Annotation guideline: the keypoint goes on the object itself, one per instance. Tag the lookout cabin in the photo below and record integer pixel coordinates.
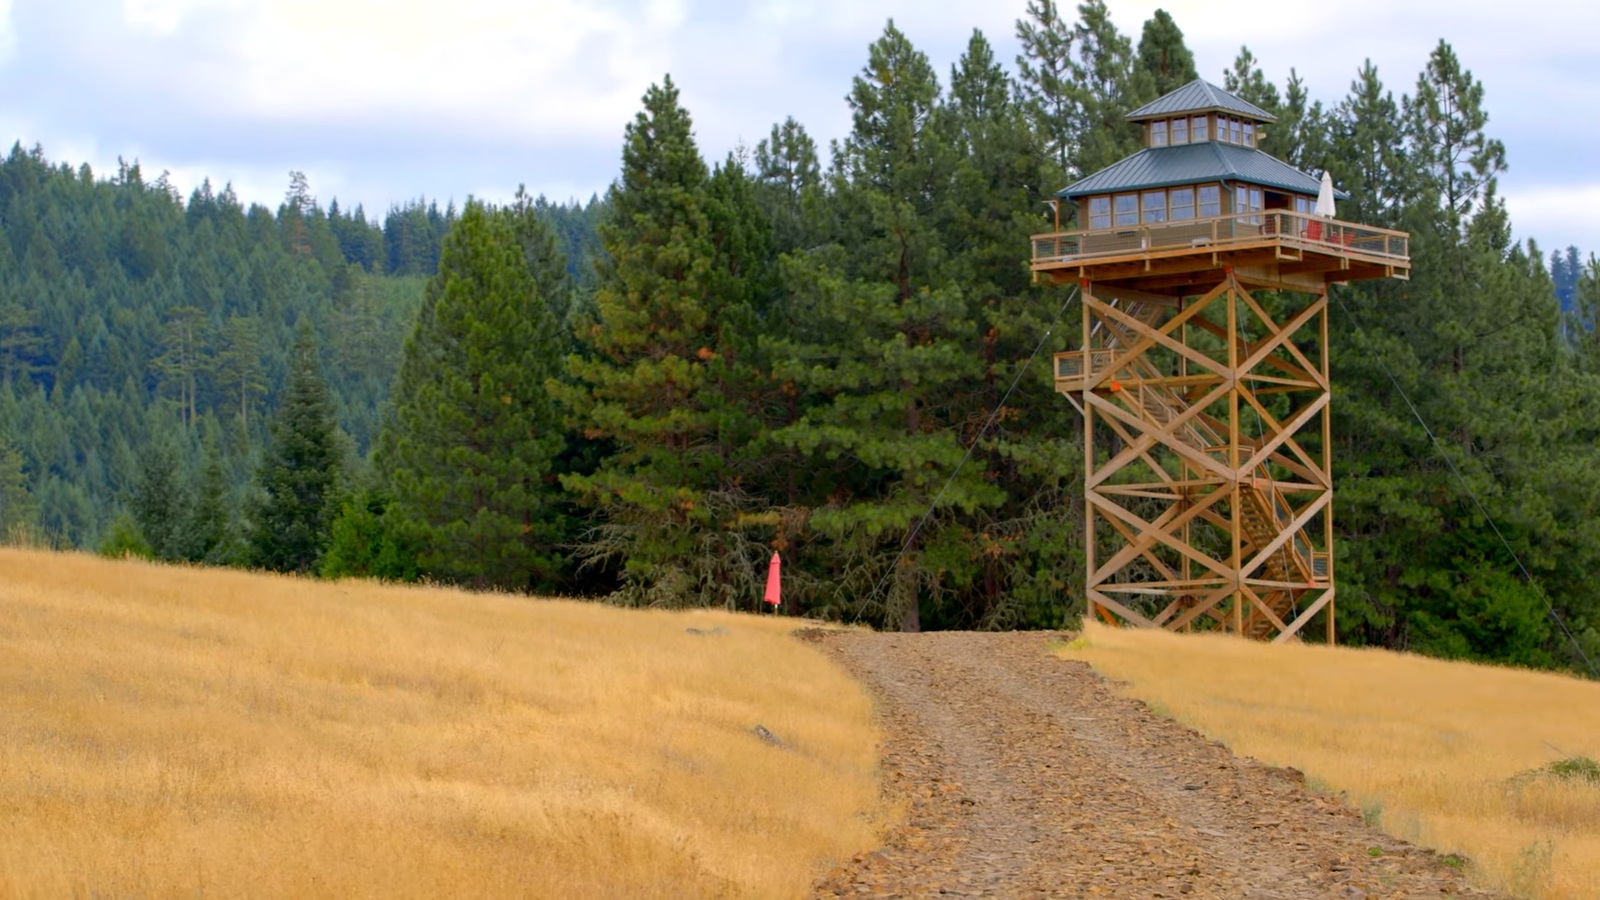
(1200, 197)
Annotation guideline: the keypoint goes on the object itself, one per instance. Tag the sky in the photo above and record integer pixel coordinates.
(381, 101)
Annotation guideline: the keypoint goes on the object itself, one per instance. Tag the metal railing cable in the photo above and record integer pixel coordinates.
(1465, 486)
(993, 414)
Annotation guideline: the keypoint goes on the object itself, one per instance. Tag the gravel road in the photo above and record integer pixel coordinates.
(1023, 775)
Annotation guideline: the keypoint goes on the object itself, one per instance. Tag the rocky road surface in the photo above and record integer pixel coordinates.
(1023, 775)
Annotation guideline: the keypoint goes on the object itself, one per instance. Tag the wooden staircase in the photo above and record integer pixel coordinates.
(1262, 517)
(1263, 514)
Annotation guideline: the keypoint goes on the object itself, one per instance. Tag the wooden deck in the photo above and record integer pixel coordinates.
(1276, 248)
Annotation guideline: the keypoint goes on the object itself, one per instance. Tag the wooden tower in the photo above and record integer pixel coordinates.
(1202, 373)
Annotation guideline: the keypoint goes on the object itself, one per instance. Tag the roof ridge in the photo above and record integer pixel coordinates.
(1197, 95)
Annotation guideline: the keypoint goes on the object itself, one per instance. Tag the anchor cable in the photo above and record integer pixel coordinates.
(1454, 470)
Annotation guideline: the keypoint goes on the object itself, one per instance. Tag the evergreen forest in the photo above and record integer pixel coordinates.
(832, 352)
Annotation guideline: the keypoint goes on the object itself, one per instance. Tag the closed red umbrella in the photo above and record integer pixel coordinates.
(774, 588)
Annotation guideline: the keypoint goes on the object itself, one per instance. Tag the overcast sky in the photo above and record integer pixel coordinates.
(378, 102)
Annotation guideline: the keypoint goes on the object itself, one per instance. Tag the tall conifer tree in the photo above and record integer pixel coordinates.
(299, 476)
(1164, 55)
(469, 451)
(665, 374)
(882, 343)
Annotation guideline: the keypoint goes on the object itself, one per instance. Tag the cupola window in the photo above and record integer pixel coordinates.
(1099, 212)
(1182, 204)
(1155, 206)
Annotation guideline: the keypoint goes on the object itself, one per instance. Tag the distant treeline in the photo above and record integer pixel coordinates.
(642, 397)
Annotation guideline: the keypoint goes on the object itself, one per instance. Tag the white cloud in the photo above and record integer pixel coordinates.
(163, 17)
(543, 67)
(1557, 215)
(382, 101)
(8, 35)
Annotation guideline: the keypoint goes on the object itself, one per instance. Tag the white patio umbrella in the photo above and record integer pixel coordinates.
(1325, 197)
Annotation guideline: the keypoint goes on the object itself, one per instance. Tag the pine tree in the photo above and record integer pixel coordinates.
(1472, 340)
(1301, 135)
(787, 177)
(468, 453)
(1367, 148)
(880, 341)
(1106, 87)
(161, 503)
(18, 510)
(299, 475)
(1445, 123)
(238, 364)
(1247, 82)
(1019, 554)
(366, 541)
(1045, 75)
(665, 376)
(1164, 55)
(214, 537)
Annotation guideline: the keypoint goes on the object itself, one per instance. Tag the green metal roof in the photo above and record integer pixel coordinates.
(1155, 167)
(1198, 96)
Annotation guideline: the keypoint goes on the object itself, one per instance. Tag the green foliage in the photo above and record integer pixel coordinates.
(299, 475)
(716, 361)
(666, 374)
(1045, 78)
(1107, 85)
(161, 501)
(123, 539)
(469, 452)
(18, 511)
(366, 542)
(1164, 55)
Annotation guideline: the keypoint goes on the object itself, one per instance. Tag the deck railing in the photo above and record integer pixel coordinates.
(1289, 229)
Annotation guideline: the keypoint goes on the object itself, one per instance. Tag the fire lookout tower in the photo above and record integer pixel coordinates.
(1204, 266)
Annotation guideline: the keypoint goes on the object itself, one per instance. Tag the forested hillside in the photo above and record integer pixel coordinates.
(812, 351)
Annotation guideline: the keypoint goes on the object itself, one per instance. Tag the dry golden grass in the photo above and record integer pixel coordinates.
(169, 731)
(1429, 750)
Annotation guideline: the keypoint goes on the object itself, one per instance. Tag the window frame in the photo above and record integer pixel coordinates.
(1200, 130)
(1200, 203)
(1180, 124)
(1145, 207)
(1173, 206)
(1093, 215)
(1118, 214)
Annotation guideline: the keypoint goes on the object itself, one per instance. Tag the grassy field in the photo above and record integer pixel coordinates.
(183, 732)
(1431, 751)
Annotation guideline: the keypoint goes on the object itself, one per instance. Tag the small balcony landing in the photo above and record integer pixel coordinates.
(1287, 249)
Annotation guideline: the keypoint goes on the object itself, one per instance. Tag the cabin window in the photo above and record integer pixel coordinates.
(1235, 132)
(1180, 131)
(1247, 200)
(1127, 209)
(1202, 128)
(1155, 206)
(1210, 201)
(1158, 133)
(1249, 134)
(1182, 204)
(1304, 205)
(1099, 212)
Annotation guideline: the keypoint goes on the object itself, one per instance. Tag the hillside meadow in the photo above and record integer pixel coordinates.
(1444, 754)
(171, 731)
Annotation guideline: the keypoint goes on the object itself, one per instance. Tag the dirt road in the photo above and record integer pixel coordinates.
(1024, 775)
